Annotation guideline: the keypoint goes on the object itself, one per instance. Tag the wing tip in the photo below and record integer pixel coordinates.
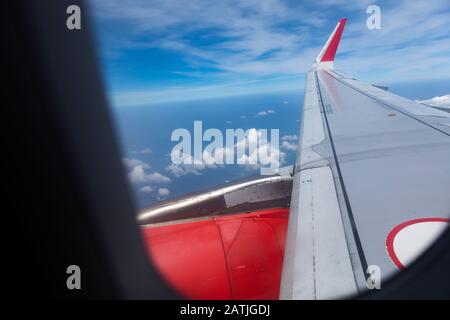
(328, 51)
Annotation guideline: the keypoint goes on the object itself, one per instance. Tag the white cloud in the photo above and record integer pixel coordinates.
(188, 167)
(289, 145)
(147, 189)
(289, 137)
(440, 101)
(289, 142)
(176, 170)
(265, 113)
(163, 191)
(143, 151)
(273, 155)
(138, 175)
(133, 163)
(179, 170)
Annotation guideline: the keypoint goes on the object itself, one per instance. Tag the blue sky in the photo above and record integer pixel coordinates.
(155, 51)
(242, 64)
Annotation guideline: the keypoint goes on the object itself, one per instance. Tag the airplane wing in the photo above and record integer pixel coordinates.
(368, 192)
(371, 183)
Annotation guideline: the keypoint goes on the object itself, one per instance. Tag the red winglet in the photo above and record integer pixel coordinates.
(329, 50)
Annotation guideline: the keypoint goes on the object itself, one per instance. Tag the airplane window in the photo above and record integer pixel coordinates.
(243, 140)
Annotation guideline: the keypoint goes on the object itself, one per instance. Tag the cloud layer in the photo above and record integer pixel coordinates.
(228, 46)
(440, 101)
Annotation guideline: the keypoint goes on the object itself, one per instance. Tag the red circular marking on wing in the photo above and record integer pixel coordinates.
(393, 233)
